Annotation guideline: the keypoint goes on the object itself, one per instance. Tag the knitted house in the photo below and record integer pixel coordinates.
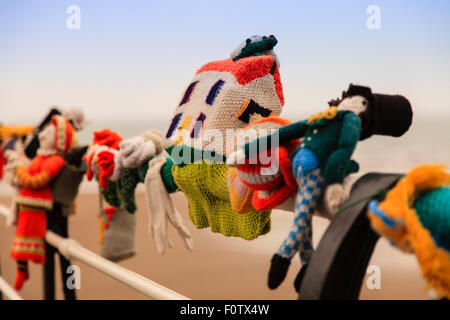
(224, 95)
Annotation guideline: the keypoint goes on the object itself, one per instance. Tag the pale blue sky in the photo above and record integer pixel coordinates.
(131, 60)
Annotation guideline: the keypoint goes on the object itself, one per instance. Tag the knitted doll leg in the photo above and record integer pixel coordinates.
(21, 274)
(299, 237)
(307, 249)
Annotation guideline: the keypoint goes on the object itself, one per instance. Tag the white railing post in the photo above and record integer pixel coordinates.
(71, 249)
(8, 291)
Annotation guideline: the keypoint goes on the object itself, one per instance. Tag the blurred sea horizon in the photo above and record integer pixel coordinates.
(427, 141)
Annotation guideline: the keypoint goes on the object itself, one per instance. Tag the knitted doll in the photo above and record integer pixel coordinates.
(224, 96)
(35, 196)
(11, 140)
(117, 186)
(323, 158)
(415, 217)
(64, 191)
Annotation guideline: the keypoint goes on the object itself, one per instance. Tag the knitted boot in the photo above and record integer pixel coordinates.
(299, 279)
(278, 269)
(21, 274)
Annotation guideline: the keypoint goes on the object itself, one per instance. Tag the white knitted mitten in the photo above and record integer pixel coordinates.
(135, 151)
(161, 209)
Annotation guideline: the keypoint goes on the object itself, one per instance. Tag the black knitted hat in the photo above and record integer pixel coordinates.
(389, 115)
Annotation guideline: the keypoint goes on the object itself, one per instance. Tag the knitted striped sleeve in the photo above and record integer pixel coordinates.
(50, 169)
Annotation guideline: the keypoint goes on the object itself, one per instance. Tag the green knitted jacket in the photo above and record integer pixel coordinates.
(331, 140)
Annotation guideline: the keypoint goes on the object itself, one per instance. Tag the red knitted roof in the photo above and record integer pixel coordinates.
(247, 69)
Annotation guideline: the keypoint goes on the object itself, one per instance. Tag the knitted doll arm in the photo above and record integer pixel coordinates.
(285, 134)
(167, 177)
(50, 169)
(339, 165)
(127, 185)
(281, 136)
(111, 194)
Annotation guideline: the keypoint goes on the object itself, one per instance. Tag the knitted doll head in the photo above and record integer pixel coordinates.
(58, 135)
(380, 113)
(227, 94)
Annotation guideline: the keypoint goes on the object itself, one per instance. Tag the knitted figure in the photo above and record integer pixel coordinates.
(117, 187)
(35, 196)
(64, 190)
(323, 158)
(415, 217)
(117, 183)
(224, 95)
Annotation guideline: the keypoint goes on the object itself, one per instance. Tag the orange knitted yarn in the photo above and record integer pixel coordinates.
(285, 189)
(107, 137)
(105, 163)
(111, 139)
(411, 236)
(273, 190)
(399, 200)
(240, 195)
(65, 135)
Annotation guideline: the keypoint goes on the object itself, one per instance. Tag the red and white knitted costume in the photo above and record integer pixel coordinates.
(35, 196)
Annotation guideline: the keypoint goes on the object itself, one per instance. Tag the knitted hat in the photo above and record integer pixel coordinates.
(75, 116)
(389, 115)
(227, 94)
(65, 135)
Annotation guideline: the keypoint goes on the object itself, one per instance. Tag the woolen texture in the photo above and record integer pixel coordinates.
(205, 186)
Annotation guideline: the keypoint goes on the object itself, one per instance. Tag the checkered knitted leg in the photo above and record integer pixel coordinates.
(299, 237)
(307, 249)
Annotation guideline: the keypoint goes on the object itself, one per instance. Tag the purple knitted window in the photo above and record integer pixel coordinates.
(188, 93)
(214, 91)
(173, 125)
(198, 125)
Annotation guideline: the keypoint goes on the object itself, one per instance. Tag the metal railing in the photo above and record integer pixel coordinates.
(71, 249)
(8, 291)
